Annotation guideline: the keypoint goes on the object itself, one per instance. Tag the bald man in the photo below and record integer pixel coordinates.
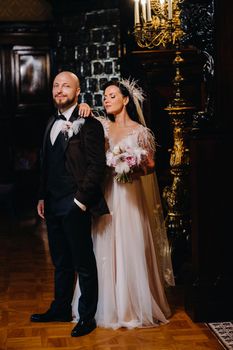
(72, 171)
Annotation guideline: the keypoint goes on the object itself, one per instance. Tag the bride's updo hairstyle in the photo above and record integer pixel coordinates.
(131, 107)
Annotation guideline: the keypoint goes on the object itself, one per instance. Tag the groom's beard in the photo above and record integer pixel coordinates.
(67, 103)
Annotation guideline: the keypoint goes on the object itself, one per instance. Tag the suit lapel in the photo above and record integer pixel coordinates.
(47, 130)
(74, 116)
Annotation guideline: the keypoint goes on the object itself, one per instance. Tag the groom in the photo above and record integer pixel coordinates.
(73, 168)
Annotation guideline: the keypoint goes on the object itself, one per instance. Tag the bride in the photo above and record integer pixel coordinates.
(130, 243)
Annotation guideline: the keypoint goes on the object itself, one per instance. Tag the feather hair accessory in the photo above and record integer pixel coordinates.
(133, 88)
(137, 95)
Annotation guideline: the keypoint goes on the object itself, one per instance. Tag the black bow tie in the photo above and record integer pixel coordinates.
(60, 116)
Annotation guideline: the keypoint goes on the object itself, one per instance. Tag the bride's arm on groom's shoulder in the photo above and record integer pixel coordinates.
(88, 112)
(84, 110)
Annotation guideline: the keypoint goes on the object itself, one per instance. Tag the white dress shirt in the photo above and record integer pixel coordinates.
(56, 129)
(57, 126)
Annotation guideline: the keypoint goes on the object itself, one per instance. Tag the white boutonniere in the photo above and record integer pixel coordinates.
(70, 129)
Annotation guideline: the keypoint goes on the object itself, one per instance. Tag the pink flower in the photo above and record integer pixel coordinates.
(124, 161)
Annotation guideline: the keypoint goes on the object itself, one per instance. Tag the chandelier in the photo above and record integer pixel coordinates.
(157, 22)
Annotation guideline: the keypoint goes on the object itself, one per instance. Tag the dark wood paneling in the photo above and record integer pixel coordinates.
(224, 64)
(5, 114)
(2, 85)
(210, 289)
(5, 83)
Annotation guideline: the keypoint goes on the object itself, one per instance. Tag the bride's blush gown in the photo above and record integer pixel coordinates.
(129, 255)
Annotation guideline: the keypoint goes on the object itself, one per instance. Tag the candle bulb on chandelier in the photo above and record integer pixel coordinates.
(136, 12)
(143, 3)
(169, 9)
(162, 6)
(149, 18)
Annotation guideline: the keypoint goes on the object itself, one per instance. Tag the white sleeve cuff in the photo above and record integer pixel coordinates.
(82, 206)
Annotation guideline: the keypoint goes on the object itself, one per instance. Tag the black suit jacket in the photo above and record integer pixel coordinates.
(85, 159)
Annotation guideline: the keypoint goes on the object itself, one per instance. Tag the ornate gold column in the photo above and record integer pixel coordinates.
(176, 195)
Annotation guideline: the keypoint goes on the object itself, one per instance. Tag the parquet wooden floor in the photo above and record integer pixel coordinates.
(26, 286)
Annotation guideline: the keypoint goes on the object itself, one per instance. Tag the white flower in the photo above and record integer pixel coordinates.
(77, 125)
(138, 153)
(122, 167)
(116, 150)
(71, 129)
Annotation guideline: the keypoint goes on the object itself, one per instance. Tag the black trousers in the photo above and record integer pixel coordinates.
(71, 249)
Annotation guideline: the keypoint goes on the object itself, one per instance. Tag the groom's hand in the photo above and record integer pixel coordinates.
(40, 208)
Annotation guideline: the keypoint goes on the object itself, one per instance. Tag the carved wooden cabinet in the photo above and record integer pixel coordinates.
(25, 103)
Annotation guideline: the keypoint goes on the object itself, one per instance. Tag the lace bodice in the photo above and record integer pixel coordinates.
(136, 136)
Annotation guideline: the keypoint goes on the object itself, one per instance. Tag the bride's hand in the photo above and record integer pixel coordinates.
(145, 169)
(84, 110)
(149, 166)
(137, 173)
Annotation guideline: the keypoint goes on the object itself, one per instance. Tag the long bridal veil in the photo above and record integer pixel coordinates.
(156, 217)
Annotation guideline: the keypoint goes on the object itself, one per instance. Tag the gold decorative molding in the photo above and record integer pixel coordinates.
(177, 194)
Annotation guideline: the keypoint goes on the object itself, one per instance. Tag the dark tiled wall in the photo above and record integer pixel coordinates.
(89, 45)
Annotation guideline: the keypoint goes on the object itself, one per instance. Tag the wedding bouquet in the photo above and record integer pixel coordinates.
(125, 160)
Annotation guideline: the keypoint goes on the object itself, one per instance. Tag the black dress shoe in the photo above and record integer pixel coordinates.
(83, 328)
(50, 316)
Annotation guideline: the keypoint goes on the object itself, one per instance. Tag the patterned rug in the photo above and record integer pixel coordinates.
(224, 332)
